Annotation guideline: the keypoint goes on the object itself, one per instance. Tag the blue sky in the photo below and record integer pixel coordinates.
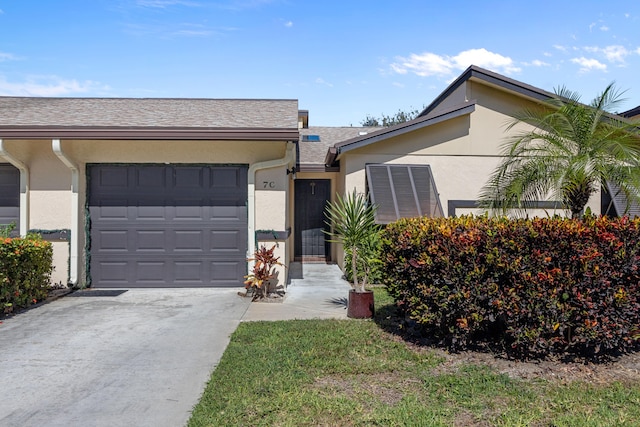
(341, 59)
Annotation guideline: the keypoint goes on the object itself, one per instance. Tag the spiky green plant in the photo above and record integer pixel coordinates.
(571, 151)
(351, 219)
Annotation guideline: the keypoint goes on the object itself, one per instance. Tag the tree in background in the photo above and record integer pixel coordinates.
(386, 120)
(571, 152)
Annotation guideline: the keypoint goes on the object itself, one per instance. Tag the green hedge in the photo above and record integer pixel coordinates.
(25, 271)
(528, 288)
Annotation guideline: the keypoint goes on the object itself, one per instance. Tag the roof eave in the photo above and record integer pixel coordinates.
(495, 79)
(393, 131)
(330, 158)
(147, 133)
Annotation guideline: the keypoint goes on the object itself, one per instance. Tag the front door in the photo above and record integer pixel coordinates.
(311, 196)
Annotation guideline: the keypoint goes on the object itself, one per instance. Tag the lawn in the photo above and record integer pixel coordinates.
(354, 373)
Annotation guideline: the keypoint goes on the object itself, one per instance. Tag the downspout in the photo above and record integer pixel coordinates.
(24, 187)
(288, 158)
(75, 205)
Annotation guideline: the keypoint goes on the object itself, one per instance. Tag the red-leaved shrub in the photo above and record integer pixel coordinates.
(528, 287)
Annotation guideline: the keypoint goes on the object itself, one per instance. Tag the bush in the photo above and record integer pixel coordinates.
(530, 288)
(25, 271)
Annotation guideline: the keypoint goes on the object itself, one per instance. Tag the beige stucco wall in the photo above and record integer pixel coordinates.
(462, 152)
(49, 195)
(50, 187)
(271, 185)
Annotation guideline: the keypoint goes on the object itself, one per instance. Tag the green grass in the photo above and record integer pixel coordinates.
(353, 373)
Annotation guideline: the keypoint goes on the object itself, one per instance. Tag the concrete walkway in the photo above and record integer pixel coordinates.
(140, 358)
(316, 291)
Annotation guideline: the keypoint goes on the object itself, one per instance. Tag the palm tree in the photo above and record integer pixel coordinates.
(571, 152)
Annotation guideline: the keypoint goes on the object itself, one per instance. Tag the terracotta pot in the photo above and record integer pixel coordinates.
(360, 305)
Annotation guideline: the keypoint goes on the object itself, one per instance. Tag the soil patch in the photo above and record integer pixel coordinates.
(625, 369)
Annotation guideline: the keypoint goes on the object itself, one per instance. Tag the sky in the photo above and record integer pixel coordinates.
(342, 60)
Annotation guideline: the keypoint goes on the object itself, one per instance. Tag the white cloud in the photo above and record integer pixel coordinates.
(49, 86)
(484, 58)
(537, 63)
(424, 65)
(593, 24)
(7, 57)
(560, 47)
(193, 33)
(587, 65)
(321, 81)
(431, 64)
(288, 24)
(604, 28)
(397, 84)
(613, 53)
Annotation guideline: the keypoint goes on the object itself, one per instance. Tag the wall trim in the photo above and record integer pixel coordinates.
(452, 205)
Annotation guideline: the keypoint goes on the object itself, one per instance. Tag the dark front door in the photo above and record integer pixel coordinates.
(310, 240)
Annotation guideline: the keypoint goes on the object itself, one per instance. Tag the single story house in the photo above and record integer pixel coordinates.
(179, 192)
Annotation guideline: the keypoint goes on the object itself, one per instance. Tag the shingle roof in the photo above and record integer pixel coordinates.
(314, 152)
(631, 113)
(475, 72)
(148, 112)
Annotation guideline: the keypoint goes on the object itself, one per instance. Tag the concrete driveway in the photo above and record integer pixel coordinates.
(138, 359)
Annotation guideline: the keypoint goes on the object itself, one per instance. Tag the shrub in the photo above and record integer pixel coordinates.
(25, 271)
(530, 288)
(259, 280)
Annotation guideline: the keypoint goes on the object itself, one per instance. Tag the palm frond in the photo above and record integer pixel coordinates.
(565, 150)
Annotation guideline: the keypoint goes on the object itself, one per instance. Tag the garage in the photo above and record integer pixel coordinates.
(158, 225)
(9, 197)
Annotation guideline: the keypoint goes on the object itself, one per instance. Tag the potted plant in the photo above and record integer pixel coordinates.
(352, 223)
(264, 274)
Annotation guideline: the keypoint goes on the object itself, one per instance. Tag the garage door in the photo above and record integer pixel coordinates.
(167, 225)
(10, 197)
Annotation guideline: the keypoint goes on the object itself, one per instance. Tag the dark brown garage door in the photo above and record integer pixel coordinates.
(167, 225)
(10, 197)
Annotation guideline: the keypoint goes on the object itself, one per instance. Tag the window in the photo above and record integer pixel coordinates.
(621, 203)
(403, 191)
(311, 138)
